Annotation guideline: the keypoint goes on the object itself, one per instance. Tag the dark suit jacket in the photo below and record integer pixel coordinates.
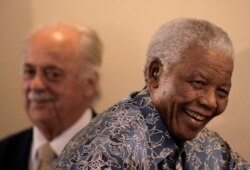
(15, 150)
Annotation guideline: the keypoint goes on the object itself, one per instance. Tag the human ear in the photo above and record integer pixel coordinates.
(92, 84)
(153, 73)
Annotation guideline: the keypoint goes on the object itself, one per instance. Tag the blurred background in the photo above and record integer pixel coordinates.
(125, 27)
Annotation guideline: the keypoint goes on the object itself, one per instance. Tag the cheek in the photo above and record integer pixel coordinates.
(185, 92)
(25, 90)
(25, 85)
(221, 107)
(163, 95)
(67, 93)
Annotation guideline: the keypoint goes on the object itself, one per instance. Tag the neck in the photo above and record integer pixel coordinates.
(50, 132)
(178, 142)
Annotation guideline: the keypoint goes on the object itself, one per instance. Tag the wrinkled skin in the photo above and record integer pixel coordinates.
(55, 92)
(193, 92)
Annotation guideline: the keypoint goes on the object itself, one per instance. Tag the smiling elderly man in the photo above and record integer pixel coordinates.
(188, 79)
(60, 82)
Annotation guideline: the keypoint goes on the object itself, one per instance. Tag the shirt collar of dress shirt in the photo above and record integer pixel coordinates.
(60, 141)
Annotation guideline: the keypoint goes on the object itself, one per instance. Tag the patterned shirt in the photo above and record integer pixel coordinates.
(132, 136)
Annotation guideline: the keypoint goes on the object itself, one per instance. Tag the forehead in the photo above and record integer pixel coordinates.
(211, 59)
(211, 65)
(52, 46)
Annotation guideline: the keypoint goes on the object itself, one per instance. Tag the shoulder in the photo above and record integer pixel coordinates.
(15, 148)
(210, 149)
(16, 138)
(208, 140)
(108, 138)
(209, 136)
(113, 125)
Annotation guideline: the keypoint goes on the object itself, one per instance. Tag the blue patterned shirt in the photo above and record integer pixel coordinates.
(131, 135)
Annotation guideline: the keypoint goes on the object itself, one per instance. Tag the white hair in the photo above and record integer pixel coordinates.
(92, 50)
(174, 37)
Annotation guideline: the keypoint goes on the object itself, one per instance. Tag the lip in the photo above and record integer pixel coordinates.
(194, 120)
(41, 101)
(40, 105)
(37, 103)
(195, 115)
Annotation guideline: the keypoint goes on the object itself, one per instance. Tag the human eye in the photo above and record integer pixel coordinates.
(223, 92)
(53, 74)
(28, 72)
(197, 83)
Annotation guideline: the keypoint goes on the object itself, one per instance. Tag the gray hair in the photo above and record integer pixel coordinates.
(92, 51)
(174, 37)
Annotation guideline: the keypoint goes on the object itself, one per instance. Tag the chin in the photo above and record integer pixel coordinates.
(188, 137)
(185, 136)
(39, 115)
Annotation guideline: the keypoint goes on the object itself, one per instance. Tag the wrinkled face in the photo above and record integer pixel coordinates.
(53, 85)
(194, 92)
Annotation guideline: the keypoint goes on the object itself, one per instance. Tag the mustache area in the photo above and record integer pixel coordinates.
(41, 96)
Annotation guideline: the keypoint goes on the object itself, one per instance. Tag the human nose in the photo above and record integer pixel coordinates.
(208, 100)
(37, 83)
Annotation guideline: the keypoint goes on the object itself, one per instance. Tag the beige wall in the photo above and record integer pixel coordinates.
(125, 26)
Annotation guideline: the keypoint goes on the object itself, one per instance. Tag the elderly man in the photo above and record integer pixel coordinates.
(188, 78)
(60, 84)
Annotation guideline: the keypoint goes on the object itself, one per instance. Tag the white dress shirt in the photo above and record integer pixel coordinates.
(59, 142)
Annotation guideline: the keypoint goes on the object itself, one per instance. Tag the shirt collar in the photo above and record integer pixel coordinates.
(60, 141)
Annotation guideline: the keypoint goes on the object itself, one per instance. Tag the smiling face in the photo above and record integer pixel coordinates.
(193, 92)
(55, 92)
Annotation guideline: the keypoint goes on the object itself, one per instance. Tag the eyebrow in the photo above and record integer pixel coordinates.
(28, 65)
(45, 66)
(52, 67)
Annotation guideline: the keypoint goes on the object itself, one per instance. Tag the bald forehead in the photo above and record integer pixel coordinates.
(58, 32)
(54, 38)
(53, 42)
